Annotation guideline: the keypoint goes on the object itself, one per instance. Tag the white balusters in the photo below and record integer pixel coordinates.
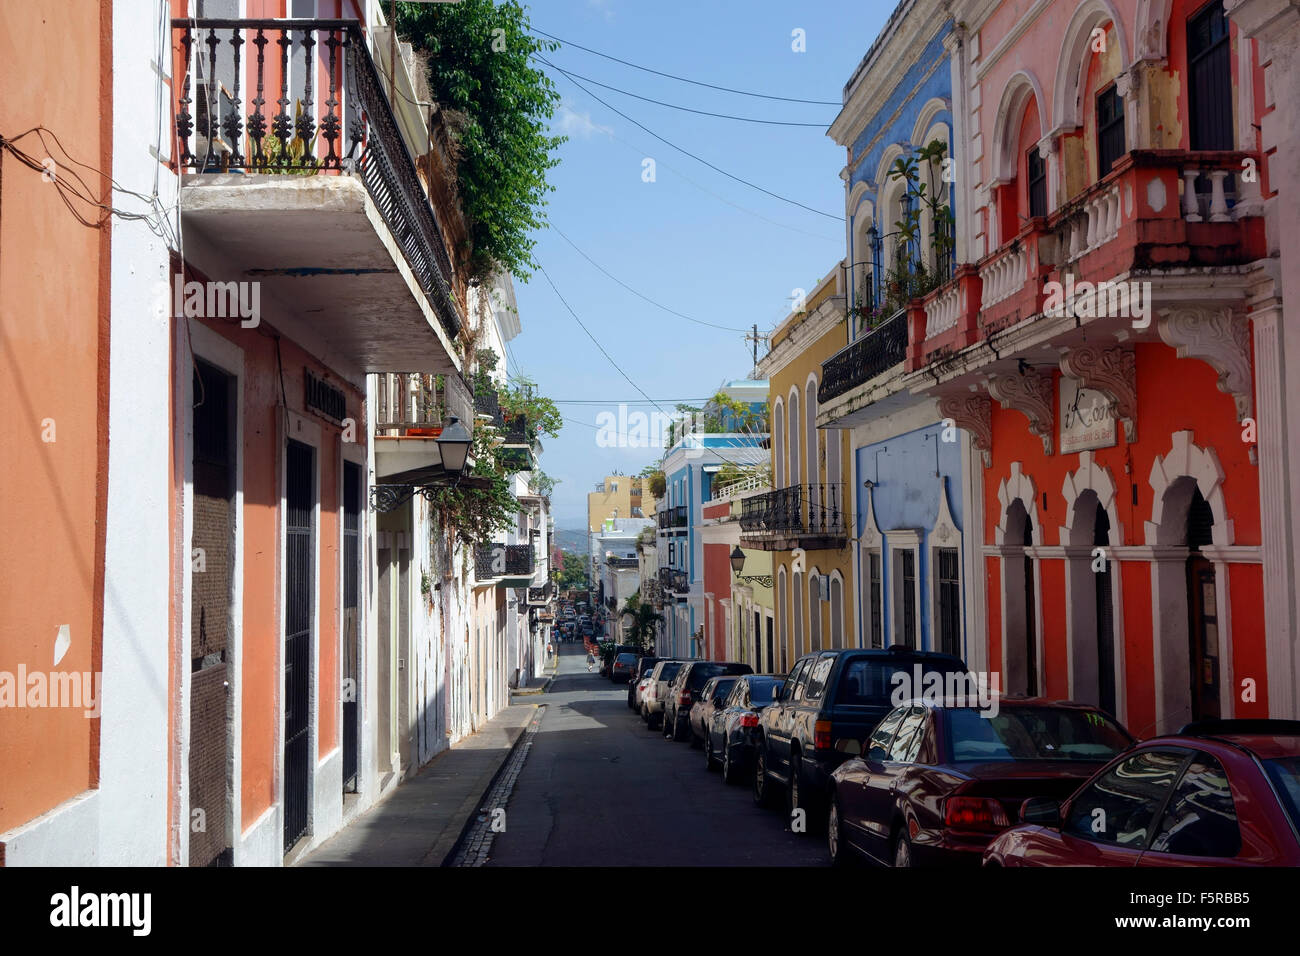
(941, 313)
(1191, 205)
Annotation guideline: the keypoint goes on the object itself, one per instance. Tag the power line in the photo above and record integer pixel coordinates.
(676, 106)
(639, 295)
(619, 368)
(683, 79)
(699, 159)
(723, 199)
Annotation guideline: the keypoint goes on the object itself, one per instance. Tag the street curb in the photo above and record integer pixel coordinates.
(444, 851)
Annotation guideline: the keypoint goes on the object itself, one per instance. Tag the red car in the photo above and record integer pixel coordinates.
(939, 780)
(1217, 793)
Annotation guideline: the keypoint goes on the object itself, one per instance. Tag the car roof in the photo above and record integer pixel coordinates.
(1266, 738)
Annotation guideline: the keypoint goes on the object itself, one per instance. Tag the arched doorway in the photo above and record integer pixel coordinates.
(1202, 611)
(1020, 607)
(1104, 610)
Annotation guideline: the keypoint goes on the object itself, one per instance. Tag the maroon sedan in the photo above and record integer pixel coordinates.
(938, 782)
(1217, 793)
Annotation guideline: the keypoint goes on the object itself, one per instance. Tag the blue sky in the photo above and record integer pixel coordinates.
(692, 240)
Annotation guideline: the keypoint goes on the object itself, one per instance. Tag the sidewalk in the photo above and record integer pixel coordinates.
(419, 823)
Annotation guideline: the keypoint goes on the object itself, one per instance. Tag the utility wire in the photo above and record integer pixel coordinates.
(693, 156)
(619, 368)
(676, 106)
(683, 79)
(639, 295)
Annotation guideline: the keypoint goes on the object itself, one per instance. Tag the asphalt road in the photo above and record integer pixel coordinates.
(599, 789)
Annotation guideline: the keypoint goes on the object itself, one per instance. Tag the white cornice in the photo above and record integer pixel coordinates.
(826, 316)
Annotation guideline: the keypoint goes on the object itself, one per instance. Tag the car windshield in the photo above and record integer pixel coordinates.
(1033, 733)
(1285, 774)
(867, 681)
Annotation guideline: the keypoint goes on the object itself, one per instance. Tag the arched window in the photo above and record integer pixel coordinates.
(814, 612)
(837, 611)
(794, 442)
(778, 443)
(797, 592)
(782, 628)
(810, 430)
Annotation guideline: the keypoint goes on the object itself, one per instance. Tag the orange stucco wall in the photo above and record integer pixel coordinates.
(55, 68)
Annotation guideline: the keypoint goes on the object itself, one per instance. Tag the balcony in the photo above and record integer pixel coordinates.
(509, 565)
(872, 355)
(487, 406)
(411, 409)
(538, 597)
(674, 582)
(622, 563)
(679, 517)
(799, 516)
(1156, 211)
(295, 175)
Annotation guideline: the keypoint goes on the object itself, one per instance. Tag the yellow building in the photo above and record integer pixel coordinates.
(618, 496)
(805, 521)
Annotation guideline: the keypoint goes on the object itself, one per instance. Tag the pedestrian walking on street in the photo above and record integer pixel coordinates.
(591, 660)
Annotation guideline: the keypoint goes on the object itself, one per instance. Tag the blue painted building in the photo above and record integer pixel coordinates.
(913, 497)
(690, 465)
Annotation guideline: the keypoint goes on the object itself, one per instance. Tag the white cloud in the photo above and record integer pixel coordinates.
(604, 7)
(570, 122)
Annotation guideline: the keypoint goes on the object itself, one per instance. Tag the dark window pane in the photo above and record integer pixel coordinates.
(1120, 807)
(1037, 183)
(1200, 819)
(1110, 130)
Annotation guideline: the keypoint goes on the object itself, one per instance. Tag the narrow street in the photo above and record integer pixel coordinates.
(598, 788)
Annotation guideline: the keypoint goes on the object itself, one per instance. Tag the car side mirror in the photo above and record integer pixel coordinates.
(1043, 811)
(847, 745)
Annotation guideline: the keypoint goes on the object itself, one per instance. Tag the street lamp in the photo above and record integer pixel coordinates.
(738, 565)
(453, 446)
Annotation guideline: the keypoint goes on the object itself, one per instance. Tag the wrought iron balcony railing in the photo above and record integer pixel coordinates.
(622, 562)
(875, 353)
(816, 509)
(330, 117)
(680, 516)
(503, 560)
(540, 595)
(487, 405)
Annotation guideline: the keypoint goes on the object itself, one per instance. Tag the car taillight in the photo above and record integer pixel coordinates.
(749, 720)
(974, 813)
(822, 735)
(684, 697)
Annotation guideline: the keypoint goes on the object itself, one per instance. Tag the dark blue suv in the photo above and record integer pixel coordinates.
(830, 695)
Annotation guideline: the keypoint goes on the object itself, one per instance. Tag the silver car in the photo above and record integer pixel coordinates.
(652, 701)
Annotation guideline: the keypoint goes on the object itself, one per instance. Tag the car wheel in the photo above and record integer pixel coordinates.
(800, 799)
(902, 850)
(728, 768)
(762, 786)
(708, 752)
(834, 843)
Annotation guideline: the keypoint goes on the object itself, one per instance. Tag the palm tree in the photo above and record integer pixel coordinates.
(641, 630)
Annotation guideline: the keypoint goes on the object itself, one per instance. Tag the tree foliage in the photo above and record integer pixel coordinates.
(477, 514)
(574, 572)
(480, 66)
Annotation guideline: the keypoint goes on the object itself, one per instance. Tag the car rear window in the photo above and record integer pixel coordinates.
(626, 659)
(701, 673)
(866, 681)
(1033, 733)
(669, 670)
(762, 691)
(1285, 774)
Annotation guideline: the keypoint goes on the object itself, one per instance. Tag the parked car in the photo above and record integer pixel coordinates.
(1217, 793)
(624, 667)
(938, 782)
(686, 689)
(639, 688)
(733, 730)
(618, 677)
(715, 692)
(829, 695)
(652, 701)
(643, 667)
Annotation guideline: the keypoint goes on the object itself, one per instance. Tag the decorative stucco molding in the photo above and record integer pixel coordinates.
(1017, 486)
(1217, 338)
(971, 412)
(1031, 395)
(1113, 372)
(1187, 460)
(1090, 476)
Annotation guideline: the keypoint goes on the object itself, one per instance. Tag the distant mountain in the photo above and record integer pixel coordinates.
(571, 539)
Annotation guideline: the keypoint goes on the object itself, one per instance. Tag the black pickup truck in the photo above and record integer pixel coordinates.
(829, 695)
